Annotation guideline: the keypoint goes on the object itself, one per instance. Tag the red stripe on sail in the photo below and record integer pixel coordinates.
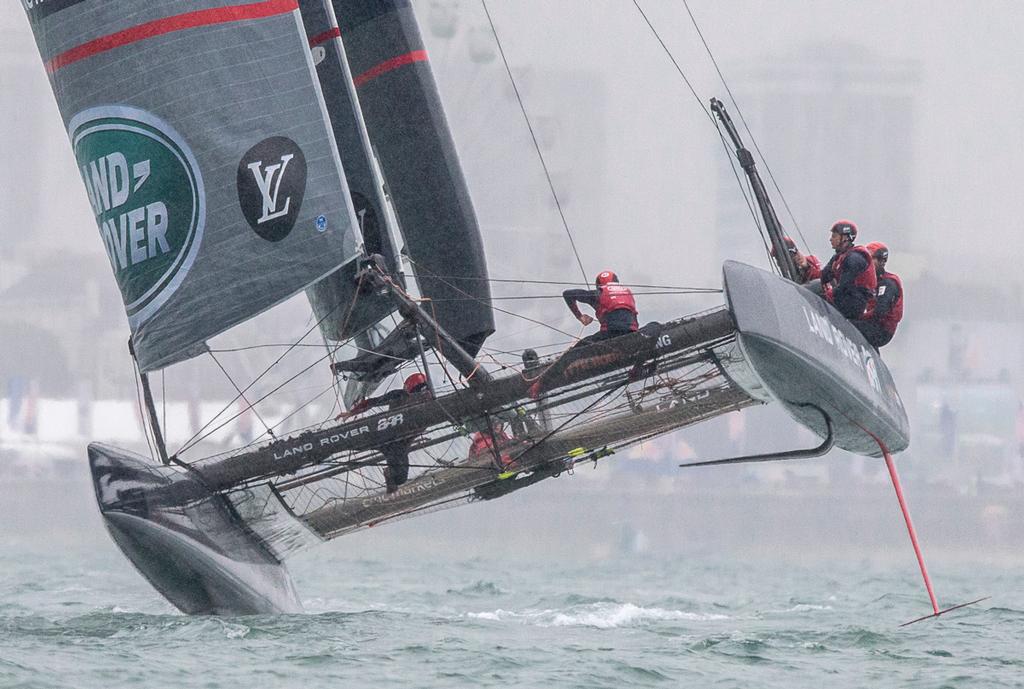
(388, 65)
(179, 22)
(324, 37)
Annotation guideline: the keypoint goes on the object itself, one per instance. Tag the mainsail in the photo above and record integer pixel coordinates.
(201, 135)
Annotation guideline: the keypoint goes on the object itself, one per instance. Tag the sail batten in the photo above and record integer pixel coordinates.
(204, 146)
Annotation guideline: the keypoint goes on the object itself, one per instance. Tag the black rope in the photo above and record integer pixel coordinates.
(142, 410)
(536, 144)
(556, 296)
(163, 398)
(425, 273)
(704, 109)
(744, 121)
(676, 64)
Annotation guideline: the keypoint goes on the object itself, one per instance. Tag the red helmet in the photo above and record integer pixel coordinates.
(604, 277)
(415, 383)
(790, 246)
(847, 228)
(878, 250)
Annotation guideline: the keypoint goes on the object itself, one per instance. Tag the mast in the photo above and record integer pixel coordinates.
(154, 420)
(771, 220)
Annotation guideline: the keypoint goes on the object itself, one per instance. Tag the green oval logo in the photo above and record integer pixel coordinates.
(146, 191)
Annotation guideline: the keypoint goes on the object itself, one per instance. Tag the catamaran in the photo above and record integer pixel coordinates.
(235, 155)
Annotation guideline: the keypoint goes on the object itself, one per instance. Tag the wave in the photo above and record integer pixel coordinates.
(480, 588)
(597, 615)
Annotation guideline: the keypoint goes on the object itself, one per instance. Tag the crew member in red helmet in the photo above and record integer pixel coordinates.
(879, 324)
(613, 304)
(396, 454)
(849, 279)
(807, 267)
(614, 308)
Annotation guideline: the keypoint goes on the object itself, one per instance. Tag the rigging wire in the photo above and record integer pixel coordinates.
(536, 144)
(679, 69)
(704, 109)
(200, 435)
(163, 396)
(241, 394)
(681, 288)
(482, 301)
(744, 121)
(558, 296)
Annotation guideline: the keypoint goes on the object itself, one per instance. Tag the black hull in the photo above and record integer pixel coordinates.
(198, 555)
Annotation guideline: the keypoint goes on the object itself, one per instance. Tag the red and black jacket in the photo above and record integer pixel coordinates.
(852, 278)
(812, 271)
(888, 308)
(613, 304)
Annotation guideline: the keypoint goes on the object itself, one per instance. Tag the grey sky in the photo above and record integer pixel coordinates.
(629, 148)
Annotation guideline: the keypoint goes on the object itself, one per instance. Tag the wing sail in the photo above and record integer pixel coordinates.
(202, 138)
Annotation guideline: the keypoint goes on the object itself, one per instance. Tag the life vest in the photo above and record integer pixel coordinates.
(483, 443)
(867, 278)
(615, 297)
(890, 320)
(812, 271)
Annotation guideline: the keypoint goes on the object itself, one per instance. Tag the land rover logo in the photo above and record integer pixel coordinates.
(271, 184)
(146, 191)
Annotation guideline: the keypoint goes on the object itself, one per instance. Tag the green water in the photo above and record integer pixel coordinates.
(82, 618)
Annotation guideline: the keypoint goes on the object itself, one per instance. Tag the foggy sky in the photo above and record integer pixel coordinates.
(969, 134)
(631, 151)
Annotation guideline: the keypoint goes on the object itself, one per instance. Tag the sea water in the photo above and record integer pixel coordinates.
(80, 616)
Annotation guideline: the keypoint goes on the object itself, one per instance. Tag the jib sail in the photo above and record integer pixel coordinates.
(409, 131)
(201, 135)
(339, 288)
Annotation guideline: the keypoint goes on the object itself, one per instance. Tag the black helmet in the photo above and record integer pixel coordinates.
(847, 228)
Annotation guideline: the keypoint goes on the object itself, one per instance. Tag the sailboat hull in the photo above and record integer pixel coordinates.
(814, 361)
(186, 541)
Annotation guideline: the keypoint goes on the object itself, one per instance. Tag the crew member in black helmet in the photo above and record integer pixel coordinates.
(848, 278)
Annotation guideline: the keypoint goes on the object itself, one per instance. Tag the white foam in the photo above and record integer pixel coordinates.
(804, 607)
(597, 615)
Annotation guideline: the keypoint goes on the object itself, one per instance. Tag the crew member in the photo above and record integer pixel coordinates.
(491, 442)
(879, 323)
(848, 278)
(807, 267)
(396, 454)
(613, 306)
